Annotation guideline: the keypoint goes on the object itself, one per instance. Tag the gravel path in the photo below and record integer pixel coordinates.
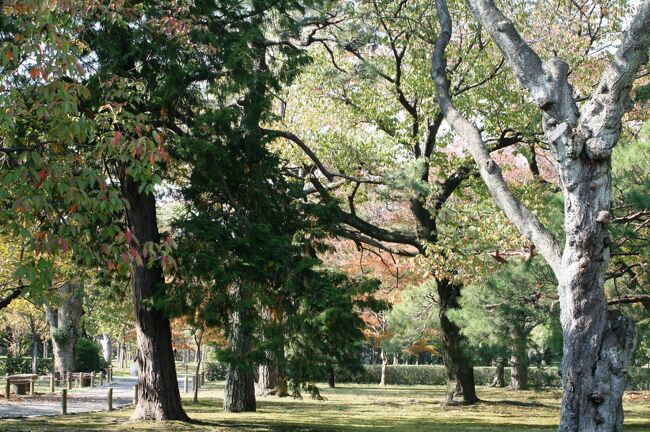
(79, 400)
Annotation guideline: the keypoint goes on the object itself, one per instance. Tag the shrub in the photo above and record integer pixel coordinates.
(23, 365)
(215, 371)
(18, 365)
(88, 356)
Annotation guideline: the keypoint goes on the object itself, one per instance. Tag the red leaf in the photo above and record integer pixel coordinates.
(128, 236)
(125, 257)
(34, 72)
(10, 55)
(134, 252)
(116, 138)
(64, 245)
(42, 174)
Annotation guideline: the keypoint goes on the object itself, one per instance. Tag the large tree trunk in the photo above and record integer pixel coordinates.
(64, 326)
(461, 387)
(384, 363)
(158, 394)
(239, 391)
(597, 344)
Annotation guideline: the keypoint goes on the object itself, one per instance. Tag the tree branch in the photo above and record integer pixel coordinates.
(602, 114)
(524, 220)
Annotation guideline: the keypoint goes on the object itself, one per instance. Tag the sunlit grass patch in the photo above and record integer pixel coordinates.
(361, 408)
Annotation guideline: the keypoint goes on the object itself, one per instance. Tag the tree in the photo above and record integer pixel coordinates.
(597, 343)
(64, 319)
(373, 75)
(504, 310)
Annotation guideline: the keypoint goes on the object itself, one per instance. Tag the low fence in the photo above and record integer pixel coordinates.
(31, 384)
(28, 383)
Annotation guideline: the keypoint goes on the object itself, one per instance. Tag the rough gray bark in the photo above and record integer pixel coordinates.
(107, 347)
(519, 355)
(597, 343)
(272, 377)
(384, 363)
(64, 323)
(239, 390)
(519, 371)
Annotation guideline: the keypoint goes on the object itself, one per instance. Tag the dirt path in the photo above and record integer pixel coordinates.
(79, 400)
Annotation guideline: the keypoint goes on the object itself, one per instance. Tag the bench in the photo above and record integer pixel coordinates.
(20, 383)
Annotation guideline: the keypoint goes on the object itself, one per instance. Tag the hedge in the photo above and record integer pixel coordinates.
(538, 378)
(20, 365)
(638, 378)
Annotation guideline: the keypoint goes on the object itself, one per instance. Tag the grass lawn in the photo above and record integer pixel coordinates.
(353, 408)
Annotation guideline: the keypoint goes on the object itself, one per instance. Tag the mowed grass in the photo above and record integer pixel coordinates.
(358, 408)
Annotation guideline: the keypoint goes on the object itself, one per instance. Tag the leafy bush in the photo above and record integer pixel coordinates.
(88, 356)
(215, 371)
(18, 365)
(23, 365)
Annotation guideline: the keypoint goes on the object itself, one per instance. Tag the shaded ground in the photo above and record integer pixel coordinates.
(359, 408)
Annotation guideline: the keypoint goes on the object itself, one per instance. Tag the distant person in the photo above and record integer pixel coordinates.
(134, 369)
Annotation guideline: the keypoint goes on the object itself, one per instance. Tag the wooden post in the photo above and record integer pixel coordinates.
(69, 386)
(135, 394)
(101, 378)
(92, 379)
(7, 387)
(81, 380)
(64, 401)
(110, 373)
(32, 384)
(186, 384)
(110, 398)
(52, 383)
